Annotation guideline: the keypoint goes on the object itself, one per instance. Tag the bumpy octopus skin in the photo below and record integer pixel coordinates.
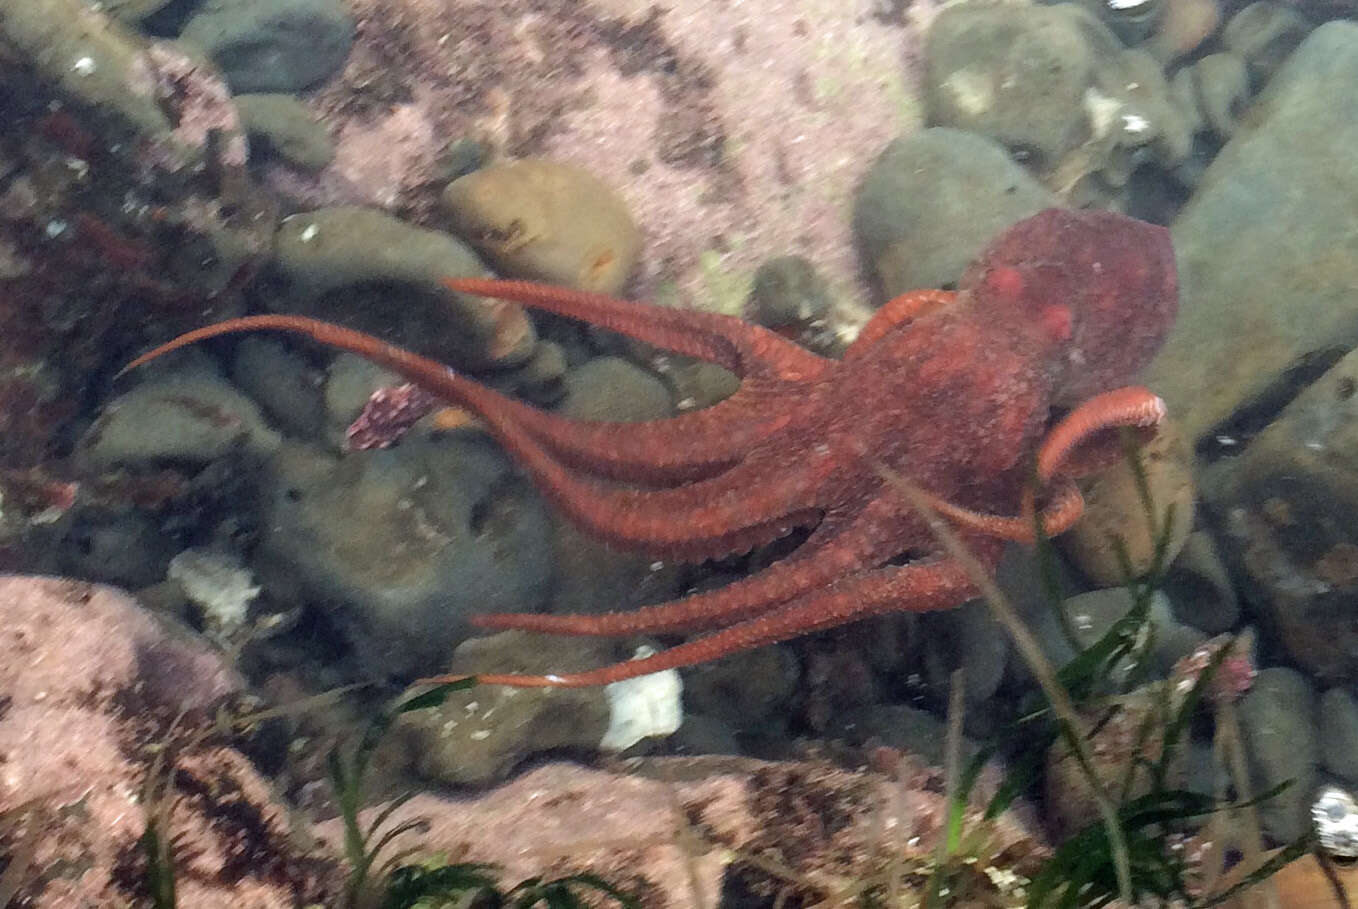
(955, 391)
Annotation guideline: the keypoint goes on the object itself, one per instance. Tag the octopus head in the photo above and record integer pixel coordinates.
(1094, 291)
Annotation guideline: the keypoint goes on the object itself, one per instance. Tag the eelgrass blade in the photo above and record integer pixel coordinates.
(408, 885)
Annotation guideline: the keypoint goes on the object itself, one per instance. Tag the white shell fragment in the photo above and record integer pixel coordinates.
(1335, 815)
(640, 708)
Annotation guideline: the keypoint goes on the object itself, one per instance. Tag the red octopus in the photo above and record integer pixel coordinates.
(955, 391)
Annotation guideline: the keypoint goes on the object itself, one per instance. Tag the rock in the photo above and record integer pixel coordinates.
(897, 726)
(789, 296)
(1015, 74)
(1337, 721)
(592, 576)
(127, 549)
(615, 390)
(1132, 21)
(1092, 615)
(700, 734)
(546, 220)
(96, 695)
(967, 637)
(746, 692)
(272, 45)
(1277, 719)
(284, 384)
(787, 291)
(1124, 730)
(188, 416)
(1182, 28)
(349, 381)
(287, 127)
(1268, 244)
(674, 832)
(360, 251)
(1199, 587)
(932, 201)
(1264, 34)
(154, 93)
(400, 546)
(131, 10)
(1049, 83)
(542, 379)
(1223, 92)
(1114, 511)
(479, 735)
(1288, 502)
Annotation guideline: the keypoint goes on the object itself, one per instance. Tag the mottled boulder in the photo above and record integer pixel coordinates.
(1268, 245)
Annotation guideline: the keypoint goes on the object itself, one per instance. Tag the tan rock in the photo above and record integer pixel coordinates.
(542, 219)
(1114, 510)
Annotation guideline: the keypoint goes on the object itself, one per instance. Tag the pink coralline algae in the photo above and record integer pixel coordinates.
(1234, 670)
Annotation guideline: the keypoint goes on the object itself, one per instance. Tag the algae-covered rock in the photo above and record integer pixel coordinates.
(285, 126)
(1289, 501)
(389, 273)
(401, 546)
(189, 416)
(542, 219)
(152, 91)
(477, 736)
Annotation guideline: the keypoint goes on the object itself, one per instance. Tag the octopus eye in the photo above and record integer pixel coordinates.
(1005, 282)
(1057, 322)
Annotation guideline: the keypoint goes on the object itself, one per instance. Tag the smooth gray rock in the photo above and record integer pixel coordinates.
(592, 576)
(1338, 722)
(1268, 245)
(401, 546)
(931, 202)
(1278, 720)
(273, 45)
(285, 385)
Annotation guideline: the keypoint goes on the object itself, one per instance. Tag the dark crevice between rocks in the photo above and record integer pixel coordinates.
(1232, 436)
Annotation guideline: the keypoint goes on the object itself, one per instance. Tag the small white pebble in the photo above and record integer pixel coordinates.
(83, 66)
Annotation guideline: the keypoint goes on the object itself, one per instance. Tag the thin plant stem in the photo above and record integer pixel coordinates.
(1072, 726)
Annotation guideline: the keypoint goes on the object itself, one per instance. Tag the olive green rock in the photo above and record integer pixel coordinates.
(546, 220)
(389, 272)
(100, 65)
(286, 126)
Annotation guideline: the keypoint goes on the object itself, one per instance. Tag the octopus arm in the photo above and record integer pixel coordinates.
(743, 348)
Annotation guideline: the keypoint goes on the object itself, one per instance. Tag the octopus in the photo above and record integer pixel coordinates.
(988, 400)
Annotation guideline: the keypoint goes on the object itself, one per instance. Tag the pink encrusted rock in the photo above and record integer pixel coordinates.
(735, 132)
(90, 686)
(673, 831)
